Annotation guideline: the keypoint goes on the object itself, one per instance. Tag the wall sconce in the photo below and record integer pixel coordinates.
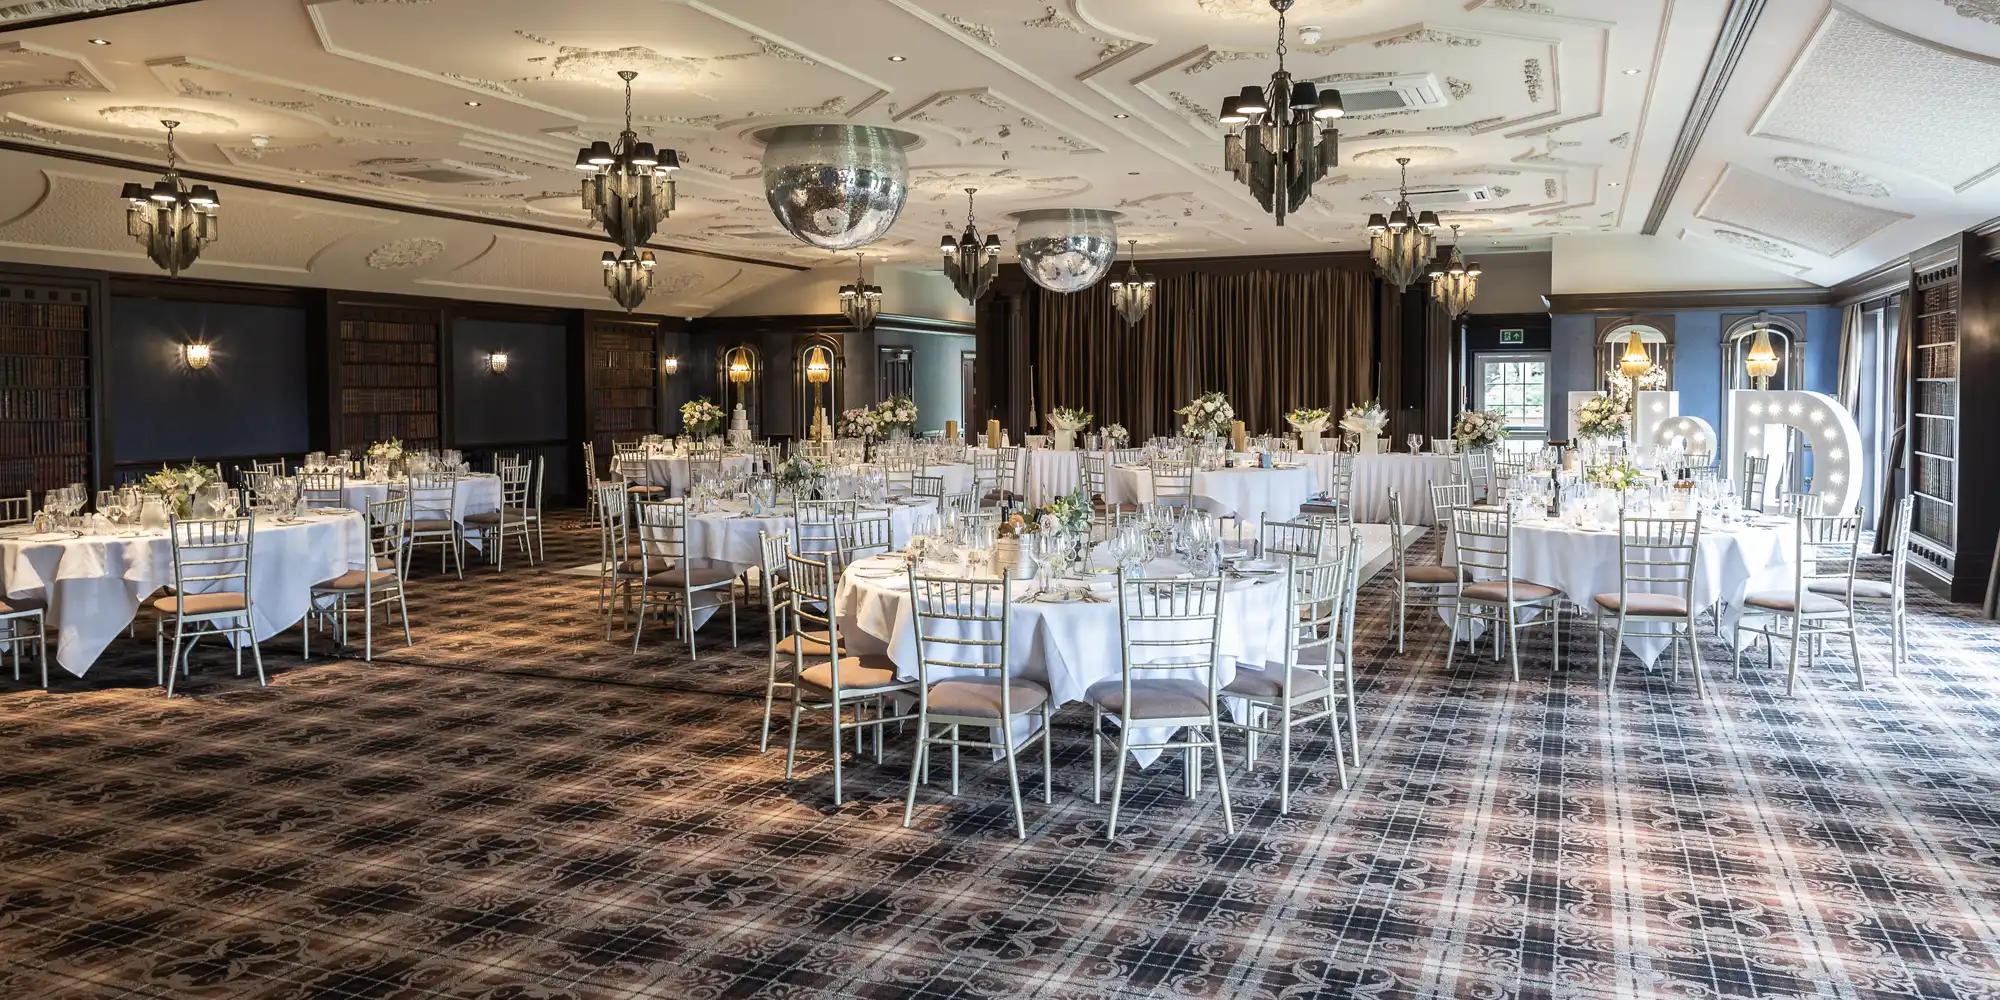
(670, 364)
(1762, 361)
(497, 362)
(195, 356)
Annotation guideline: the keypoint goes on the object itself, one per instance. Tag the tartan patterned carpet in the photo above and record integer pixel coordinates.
(515, 808)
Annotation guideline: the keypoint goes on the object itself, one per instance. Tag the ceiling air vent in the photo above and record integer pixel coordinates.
(445, 171)
(1442, 199)
(1377, 94)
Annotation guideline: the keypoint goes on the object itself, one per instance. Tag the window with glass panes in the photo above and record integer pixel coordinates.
(1516, 386)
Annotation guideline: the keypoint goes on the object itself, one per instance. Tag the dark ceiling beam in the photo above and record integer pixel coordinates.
(146, 168)
(1722, 59)
(72, 16)
(1624, 303)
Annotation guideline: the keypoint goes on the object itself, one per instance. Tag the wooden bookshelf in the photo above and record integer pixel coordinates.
(390, 383)
(46, 417)
(1934, 418)
(624, 380)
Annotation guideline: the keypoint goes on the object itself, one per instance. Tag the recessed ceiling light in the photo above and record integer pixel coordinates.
(1131, 173)
(472, 104)
(99, 41)
(1121, 116)
(1614, 184)
(899, 58)
(69, 100)
(1631, 72)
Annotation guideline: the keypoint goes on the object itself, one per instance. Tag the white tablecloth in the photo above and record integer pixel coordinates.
(94, 584)
(1043, 475)
(733, 539)
(1412, 476)
(1068, 647)
(671, 471)
(1244, 493)
(478, 493)
(1582, 564)
(957, 478)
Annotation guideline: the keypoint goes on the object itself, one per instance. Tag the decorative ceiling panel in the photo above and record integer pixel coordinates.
(1821, 223)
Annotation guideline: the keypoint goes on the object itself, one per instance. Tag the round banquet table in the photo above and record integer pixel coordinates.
(1412, 476)
(957, 477)
(671, 471)
(1041, 475)
(94, 584)
(1067, 647)
(727, 534)
(1245, 493)
(477, 493)
(1732, 561)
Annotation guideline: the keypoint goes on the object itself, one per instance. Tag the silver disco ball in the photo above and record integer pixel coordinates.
(836, 187)
(1066, 249)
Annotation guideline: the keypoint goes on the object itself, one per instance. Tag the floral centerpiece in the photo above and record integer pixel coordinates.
(386, 452)
(701, 417)
(1478, 429)
(1601, 417)
(1116, 435)
(1065, 421)
(860, 422)
(177, 488)
(800, 476)
(1617, 474)
(897, 414)
(1366, 421)
(1208, 415)
(1310, 423)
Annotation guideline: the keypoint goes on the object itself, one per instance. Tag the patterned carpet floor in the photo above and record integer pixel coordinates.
(517, 808)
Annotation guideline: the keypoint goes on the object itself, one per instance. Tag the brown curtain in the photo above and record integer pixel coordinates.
(1271, 341)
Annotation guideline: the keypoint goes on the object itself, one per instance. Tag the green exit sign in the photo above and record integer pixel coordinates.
(1513, 336)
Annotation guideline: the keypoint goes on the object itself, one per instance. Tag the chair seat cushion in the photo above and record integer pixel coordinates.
(1877, 590)
(355, 579)
(201, 604)
(644, 488)
(431, 524)
(496, 517)
(1645, 604)
(1152, 698)
(979, 697)
(1254, 683)
(1496, 590)
(703, 576)
(1317, 656)
(648, 566)
(857, 673)
(21, 605)
(808, 643)
(1782, 600)
(1426, 573)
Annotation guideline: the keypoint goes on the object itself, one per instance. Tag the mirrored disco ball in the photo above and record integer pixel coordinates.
(1066, 249)
(836, 187)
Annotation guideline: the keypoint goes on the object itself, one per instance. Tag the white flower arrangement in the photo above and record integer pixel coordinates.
(1617, 475)
(1365, 420)
(1117, 435)
(1601, 417)
(1478, 428)
(179, 487)
(386, 451)
(701, 417)
(860, 421)
(897, 413)
(1306, 420)
(1208, 415)
(1066, 418)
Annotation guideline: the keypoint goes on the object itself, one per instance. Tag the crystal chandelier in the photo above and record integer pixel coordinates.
(629, 276)
(1636, 363)
(969, 261)
(1404, 243)
(1285, 144)
(860, 302)
(1454, 283)
(172, 221)
(1132, 292)
(630, 187)
(1761, 363)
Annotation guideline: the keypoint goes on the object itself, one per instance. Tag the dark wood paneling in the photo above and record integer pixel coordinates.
(624, 378)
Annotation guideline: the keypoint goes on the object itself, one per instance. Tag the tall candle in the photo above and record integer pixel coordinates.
(951, 430)
(1236, 435)
(993, 434)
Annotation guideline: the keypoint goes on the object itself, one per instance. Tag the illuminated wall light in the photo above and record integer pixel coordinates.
(670, 364)
(497, 362)
(195, 356)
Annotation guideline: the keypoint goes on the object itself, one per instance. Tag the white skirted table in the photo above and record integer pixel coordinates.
(1041, 475)
(1732, 562)
(94, 585)
(728, 534)
(671, 471)
(1412, 476)
(477, 493)
(1246, 494)
(1067, 647)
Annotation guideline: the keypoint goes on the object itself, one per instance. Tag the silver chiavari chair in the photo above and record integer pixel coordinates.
(1164, 627)
(1809, 504)
(212, 593)
(964, 503)
(966, 678)
(1093, 467)
(619, 564)
(17, 612)
(380, 584)
(1483, 539)
(704, 467)
(995, 475)
(840, 681)
(681, 588)
(784, 637)
(18, 510)
(1340, 486)
(1657, 558)
(1314, 669)
(1475, 469)
(1302, 539)
(1444, 497)
(1173, 483)
(535, 508)
(1418, 585)
(272, 468)
(434, 519)
(591, 481)
(1885, 595)
(861, 535)
(494, 527)
(1756, 469)
(927, 486)
(813, 527)
(320, 490)
(1828, 548)
(1127, 456)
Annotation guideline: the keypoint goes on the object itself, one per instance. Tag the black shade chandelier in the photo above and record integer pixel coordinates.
(1404, 243)
(969, 261)
(1455, 283)
(628, 275)
(1132, 292)
(630, 189)
(1285, 144)
(172, 221)
(860, 302)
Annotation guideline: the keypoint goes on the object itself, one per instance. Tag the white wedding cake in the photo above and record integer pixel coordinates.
(739, 426)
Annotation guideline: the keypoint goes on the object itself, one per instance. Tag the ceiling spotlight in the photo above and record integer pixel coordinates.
(1121, 116)
(472, 104)
(99, 41)
(1631, 72)
(1612, 184)
(899, 58)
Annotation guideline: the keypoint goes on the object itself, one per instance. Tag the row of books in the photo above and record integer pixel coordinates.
(44, 404)
(623, 399)
(1934, 476)
(1936, 437)
(389, 376)
(1937, 397)
(46, 438)
(362, 429)
(1938, 362)
(370, 353)
(411, 333)
(44, 373)
(1934, 521)
(29, 341)
(624, 420)
(363, 402)
(42, 472)
(48, 315)
(627, 360)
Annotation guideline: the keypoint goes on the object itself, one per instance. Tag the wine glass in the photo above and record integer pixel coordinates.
(220, 501)
(1416, 442)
